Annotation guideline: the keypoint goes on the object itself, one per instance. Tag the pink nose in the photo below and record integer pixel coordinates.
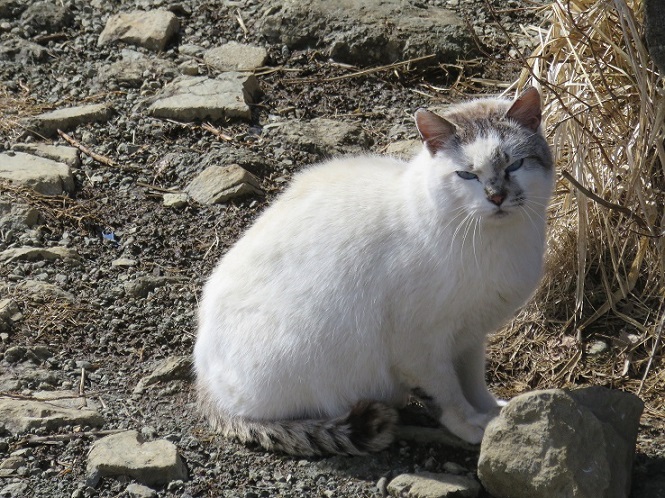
(497, 199)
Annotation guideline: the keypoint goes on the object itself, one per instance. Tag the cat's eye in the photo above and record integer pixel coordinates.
(467, 175)
(514, 166)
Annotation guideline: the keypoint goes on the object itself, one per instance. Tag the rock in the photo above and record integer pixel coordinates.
(369, 32)
(47, 124)
(149, 29)
(125, 454)
(142, 286)
(132, 68)
(21, 415)
(235, 56)
(562, 443)
(11, 9)
(42, 291)
(8, 309)
(43, 175)
(15, 354)
(654, 20)
(404, 149)
(177, 200)
(139, 491)
(39, 253)
(431, 485)
(15, 490)
(123, 263)
(174, 368)
(321, 136)
(57, 153)
(47, 16)
(221, 183)
(198, 97)
(16, 215)
(22, 51)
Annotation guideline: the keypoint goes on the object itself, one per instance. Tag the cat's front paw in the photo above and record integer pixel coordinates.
(470, 429)
(502, 402)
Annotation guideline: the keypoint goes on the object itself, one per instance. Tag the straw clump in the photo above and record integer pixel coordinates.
(605, 119)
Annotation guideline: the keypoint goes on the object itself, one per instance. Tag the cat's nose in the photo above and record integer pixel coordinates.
(497, 198)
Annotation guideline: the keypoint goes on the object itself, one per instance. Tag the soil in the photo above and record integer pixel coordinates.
(117, 338)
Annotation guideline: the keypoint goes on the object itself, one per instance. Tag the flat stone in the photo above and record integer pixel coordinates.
(46, 176)
(19, 415)
(15, 490)
(368, 32)
(57, 153)
(321, 136)
(126, 454)
(43, 291)
(198, 97)
(178, 200)
(431, 485)
(131, 69)
(139, 491)
(17, 215)
(557, 443)
(218, 184)
(149, 29)
(48, 123)
(234, 56)
(22, 51)
(123, 263)
(174, 368)
(39, 253)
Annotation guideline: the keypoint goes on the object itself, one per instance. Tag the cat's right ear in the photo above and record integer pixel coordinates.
(435, 131)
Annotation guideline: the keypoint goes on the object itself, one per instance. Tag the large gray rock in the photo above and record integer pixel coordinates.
(321, 136)
(199, 97)
(57, 153)
(20, 415)
(234, 56)
(218, 184)
(372, 31)
(654, 20)
(43, 175)
(562, 443)
(150, 29)
(431, 485)
(48, 123)
(126, 454)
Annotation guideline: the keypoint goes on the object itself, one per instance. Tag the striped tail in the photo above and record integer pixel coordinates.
(368, 427)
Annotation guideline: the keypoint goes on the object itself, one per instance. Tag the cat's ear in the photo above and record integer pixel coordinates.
(435, 131)
(526, 109)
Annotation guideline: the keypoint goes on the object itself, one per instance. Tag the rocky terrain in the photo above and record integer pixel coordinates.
(137, 140)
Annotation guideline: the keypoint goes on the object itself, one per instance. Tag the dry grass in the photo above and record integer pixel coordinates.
(605, 118)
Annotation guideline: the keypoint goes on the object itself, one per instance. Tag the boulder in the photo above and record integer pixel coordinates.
(557, 443)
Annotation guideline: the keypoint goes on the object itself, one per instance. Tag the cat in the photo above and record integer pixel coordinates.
(371, 277)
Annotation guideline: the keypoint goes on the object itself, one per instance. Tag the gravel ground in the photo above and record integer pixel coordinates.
(118, 337)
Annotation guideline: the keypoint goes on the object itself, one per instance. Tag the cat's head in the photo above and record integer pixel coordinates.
(489, 156)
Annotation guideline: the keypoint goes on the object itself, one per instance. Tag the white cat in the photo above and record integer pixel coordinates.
(370, 277)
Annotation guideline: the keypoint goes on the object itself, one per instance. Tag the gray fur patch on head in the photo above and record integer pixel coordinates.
(480, 118)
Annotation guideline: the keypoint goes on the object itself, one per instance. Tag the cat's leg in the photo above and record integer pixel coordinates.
(470, 368)
(458, 415)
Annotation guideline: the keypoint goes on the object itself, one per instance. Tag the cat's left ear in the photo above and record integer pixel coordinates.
(435, 131)
(526, 109)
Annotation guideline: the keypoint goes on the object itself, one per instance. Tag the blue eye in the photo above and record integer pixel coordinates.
(466, 175)
(515, 166)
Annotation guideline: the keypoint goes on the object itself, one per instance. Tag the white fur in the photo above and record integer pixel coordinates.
(369, 277)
